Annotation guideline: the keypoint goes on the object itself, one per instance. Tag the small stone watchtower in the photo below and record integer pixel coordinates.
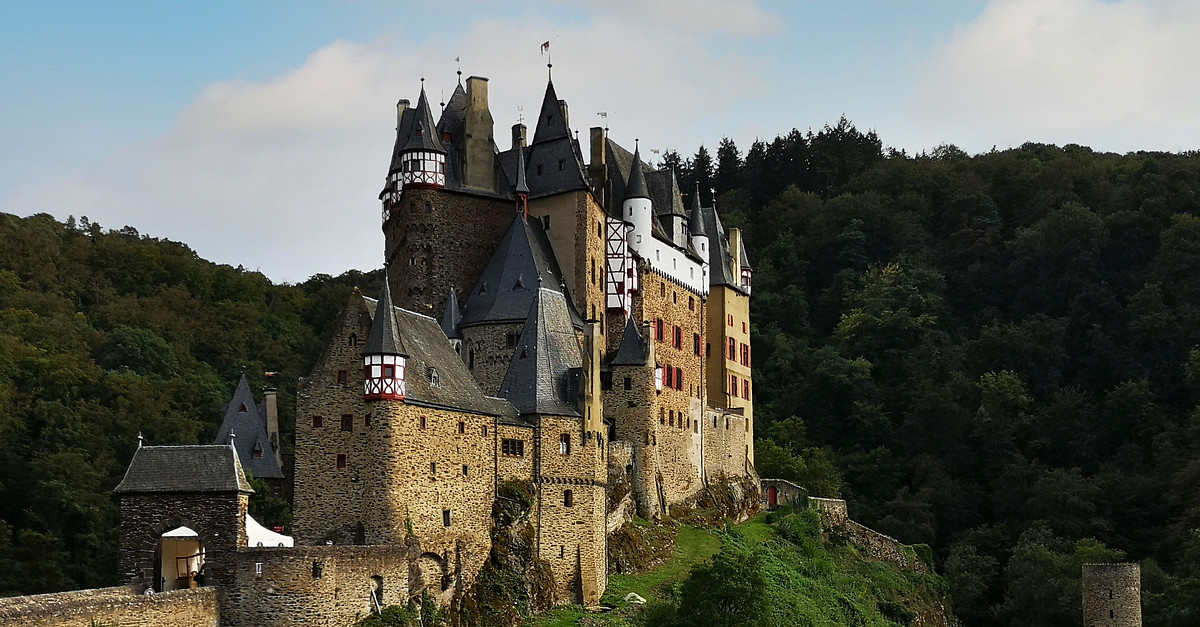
(1112, 595)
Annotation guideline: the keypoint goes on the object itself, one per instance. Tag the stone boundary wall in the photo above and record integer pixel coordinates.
(121, 606)
(878, 546)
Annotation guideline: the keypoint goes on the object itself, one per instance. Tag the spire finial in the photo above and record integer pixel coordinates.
(139, 439)
(232, 435)
(458, 60)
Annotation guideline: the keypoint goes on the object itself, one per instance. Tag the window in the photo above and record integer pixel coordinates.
(679, 378)
(743, 327)
(671, 417)
(513, 448)
(568, 498)
(733, 386)
(669, 376)
(746, 389)
(431, 374)
(433, 468)
(342, 377)
(347, 422)
(367, 420)
(445, 518)
(628, 386)
(561, 164)
(389, 371)
(545, 219)
(462, 427)
(696, 343)
(730, 319)
(484, 431)
(731, 353)
(424, 422)
(564, 444)
(318, 422)
(257, 451)
(466, 471)
(662, 416)
(510, 340)
(675, 297)
(606, 381)
(691, 303)
(678, 339)
(658, 329)
(341, 460)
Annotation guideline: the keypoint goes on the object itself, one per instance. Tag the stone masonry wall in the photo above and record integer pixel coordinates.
(218, 519)
(571, 534)
(487, 353)
(1112, 595)
(125, 606)
(878, 546)
(438, 239)
(315, 585)
(512, 466)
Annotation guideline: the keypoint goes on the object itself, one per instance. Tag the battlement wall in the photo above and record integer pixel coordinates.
(122, 605)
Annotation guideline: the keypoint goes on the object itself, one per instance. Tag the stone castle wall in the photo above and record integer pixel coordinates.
(123, 605)
(1112, 595)
(436, 240)
(488, 353)
(878, 546)
(317, 585)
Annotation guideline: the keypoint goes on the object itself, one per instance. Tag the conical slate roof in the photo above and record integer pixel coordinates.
(523, 263)
(451, 317)
(632, 351)
(249, 428)
(555, 164)
(720, 270)
(540, 378)
(636, 188)
(695, 216)
(422, 135)
(522, 186)
(384, 339)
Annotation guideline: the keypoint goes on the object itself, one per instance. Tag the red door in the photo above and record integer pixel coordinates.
(772, 498)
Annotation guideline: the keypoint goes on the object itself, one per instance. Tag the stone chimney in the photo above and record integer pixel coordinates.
(480, 170)
(401, 107)
(598, 168)
(518, 135)
(271, 405)
(735, 257)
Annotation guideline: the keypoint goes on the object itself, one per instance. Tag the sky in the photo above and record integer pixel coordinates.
(259, 132)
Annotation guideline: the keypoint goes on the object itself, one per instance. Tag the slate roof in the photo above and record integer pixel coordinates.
(720, 270)
(454, 122)
(555, 163)
(449, 384)
(743, 259)
(384, 338)
(451, 316)
(249, 427)
(195, 468)
(422, 132)
(632, 351)
(636, 187)
(696, 216)
(619, 161)
(665, 194)
(522, 263)
(541, 377)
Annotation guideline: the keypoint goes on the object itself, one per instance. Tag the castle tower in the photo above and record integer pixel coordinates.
(698, 235)
(383, 357)
(637, 208)
(1112, 595)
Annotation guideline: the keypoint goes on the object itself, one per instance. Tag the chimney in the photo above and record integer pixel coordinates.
(518, 136)
(480, 171)
(562, 104)
(598, 168)
(271, 404)
(735, 256)
(401, 107)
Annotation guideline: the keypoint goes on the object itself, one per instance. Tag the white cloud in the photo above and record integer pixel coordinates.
(1115, 75)
(282, 175)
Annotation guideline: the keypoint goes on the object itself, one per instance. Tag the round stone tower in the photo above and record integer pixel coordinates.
(1112, 595)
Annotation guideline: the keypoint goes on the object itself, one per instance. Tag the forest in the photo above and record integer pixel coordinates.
(996, 355)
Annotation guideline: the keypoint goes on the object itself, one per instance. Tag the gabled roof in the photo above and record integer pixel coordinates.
(384, 338)
(434, 374)
(249, 428)
(522, 263)
(665, 194)
(451, 317)
(540, 378)
(632, 351)
(195, 468)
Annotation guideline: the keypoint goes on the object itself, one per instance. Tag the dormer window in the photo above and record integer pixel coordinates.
(431, 375)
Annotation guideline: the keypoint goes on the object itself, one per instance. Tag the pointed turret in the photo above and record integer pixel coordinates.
(637, 209)
(542, 376)
(384, 356)
(698, 234)
(632, 351)
(522, 185)
(245, 429)
(552, 121)
(419, 157)
(555, 164)
(450, 319)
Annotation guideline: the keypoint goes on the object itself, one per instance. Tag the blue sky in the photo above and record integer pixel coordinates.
(258, 132)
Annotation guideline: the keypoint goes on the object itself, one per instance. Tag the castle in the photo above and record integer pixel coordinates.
(544, 318)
